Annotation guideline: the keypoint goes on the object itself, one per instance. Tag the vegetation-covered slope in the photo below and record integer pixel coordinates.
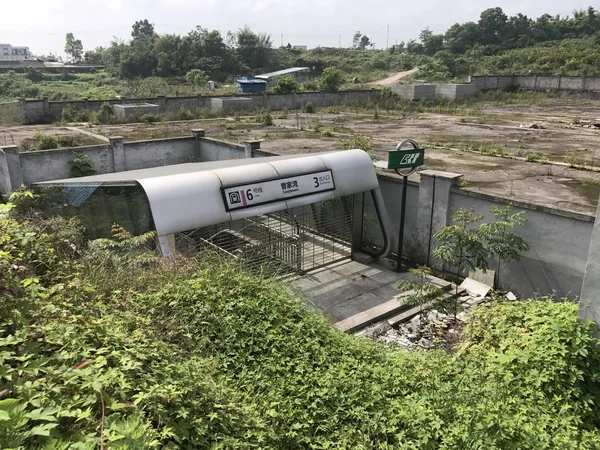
(103, 345)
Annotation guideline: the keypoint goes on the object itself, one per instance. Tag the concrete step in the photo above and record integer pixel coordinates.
(405, 316)
(373, 315)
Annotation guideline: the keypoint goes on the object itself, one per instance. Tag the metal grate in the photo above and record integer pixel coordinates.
(290, 241)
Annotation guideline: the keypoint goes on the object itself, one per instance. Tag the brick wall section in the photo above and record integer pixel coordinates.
(536, 82)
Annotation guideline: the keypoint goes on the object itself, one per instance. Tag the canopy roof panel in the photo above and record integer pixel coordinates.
(189, 196)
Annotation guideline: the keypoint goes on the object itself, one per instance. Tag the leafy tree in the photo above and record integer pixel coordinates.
(432, 43)
(332, 79)
(253, 49)
(356, 39)
(501, 241)
(425, 293)
(492, 25)
(286, 85)
(196, 77)
(462, 245)
(94, 56)
(143, 30)
(73, 48)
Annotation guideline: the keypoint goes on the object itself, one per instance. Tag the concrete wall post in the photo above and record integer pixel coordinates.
(118, 152)
(434, 210)
(162, 103)
(12, 165)
(86, 103)
(198, 134)
(46, 109)
(559, 82)
(23, 111)
(249, 147)
(167, 246)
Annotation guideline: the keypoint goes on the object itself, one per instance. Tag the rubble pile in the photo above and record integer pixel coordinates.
(428, 329)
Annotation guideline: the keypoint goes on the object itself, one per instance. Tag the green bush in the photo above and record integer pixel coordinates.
(184, 114)
(357, 141)
(46, 141)
(196, 77)
(327, 132)
(150, 118)
(267, 119)
(71, 114)
(308, 108)
(286, 85)
(84, 331)
(106, 114)
(332, 79)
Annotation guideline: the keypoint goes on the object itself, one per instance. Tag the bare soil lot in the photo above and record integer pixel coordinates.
(518, 151)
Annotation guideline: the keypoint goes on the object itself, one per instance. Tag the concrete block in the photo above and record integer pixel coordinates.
(232, 104)
(455, 91)
(134, 110)
(415, 91)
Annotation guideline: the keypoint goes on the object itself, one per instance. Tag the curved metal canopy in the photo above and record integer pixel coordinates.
(189, 196)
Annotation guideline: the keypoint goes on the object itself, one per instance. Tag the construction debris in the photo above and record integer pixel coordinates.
(424, 329)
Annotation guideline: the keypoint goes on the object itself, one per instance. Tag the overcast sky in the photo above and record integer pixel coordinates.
(42, 24)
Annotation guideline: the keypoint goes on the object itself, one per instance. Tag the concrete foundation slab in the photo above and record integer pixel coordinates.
(232, 104)
(135, 110)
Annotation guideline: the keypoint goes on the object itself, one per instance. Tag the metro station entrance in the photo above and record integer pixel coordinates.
(293, 240)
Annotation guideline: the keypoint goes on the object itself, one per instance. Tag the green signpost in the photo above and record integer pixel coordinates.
(406, 158)
(405, 161)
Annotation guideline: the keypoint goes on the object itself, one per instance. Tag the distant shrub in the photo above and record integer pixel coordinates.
(357, 141)
(106, 115)
(267, 119)
(532, 157)
(327, 132)
(150, 118)
(46, 141)
(332, 79)
(71, 114)
(308, 108)
(285, 85)
(184, 114)
(34, 75)
(196, 77)
(311, 86)
(81, 166)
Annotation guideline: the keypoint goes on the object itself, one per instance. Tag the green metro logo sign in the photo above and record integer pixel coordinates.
(406, 158)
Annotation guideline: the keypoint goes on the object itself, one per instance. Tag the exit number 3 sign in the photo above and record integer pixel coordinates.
(269, 191)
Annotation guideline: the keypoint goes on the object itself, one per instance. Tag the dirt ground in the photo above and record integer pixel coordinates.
(550, 133)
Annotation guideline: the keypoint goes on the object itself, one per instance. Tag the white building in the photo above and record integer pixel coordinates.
(10, 53)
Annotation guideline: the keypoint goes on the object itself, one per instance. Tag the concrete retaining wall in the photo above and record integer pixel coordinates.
(42, 111)
(558, 240)
(535, 82)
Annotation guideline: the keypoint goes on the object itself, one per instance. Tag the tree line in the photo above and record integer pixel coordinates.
(454, 53)
(496, 32)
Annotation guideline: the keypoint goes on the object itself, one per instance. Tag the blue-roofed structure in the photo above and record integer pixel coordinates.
(249, 85)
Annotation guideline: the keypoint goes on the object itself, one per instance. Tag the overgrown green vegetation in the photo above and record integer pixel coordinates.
(104, 345)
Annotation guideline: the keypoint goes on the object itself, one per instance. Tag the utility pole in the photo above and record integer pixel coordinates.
(387, 42)
(340, 41)
(282, 39)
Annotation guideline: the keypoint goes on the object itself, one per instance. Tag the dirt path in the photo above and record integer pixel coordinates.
(394, 78)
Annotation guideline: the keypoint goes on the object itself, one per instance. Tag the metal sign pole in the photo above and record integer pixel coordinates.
(404, 161)
(401, 233)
